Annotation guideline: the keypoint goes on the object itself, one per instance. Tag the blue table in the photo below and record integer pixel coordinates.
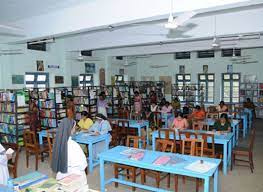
(223, 139)
(137, 124)
(244, 117)
(87, 139)
(166, 117)
(113, 155)
(234, 125)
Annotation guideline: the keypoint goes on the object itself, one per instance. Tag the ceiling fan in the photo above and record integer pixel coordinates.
(131, 63)
(80, 58)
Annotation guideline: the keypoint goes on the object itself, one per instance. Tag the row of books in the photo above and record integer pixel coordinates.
(81, 100)
(45, 122)
(8, 107)
(48, 113)
(8, 118)
(8, 129)
(80, 92)
(47, 104)
(7, 96)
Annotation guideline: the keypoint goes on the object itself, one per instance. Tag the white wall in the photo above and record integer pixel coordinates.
(194, 66)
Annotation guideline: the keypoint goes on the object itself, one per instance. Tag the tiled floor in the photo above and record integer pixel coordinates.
(238, 180)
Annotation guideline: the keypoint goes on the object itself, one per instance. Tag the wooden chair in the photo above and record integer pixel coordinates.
(245, 151)
(199, 125)
(197, 149)
(131, 172)
(163, 146)
(32, 147)
(211, 109)
(123, 114)
(12, 163)
(188, 135)
(165, 134)
(157, 119)
(209, 148)
(212, 115)
(124, 130)
(51, 137)
(115, 140)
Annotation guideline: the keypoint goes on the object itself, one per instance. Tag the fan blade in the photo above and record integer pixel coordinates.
(181, 19)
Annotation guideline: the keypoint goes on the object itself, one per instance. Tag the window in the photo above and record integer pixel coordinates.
(230, 87)
(86, 80)
(229, 52)
(182, 80)
(206, 54)
(207, 82)
(37, 80)
(183, 55)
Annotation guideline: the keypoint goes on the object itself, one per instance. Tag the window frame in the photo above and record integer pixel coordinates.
(84, 83)
(35, 82)
(231, 81)
(206, 81)
(185, 82)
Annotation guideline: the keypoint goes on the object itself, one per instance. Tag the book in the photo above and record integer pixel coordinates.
(131, 151)
(174, 160)
(200, 166)
(30, 179)
(162, 160)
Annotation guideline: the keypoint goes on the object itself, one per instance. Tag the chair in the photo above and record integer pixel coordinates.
(188, 135)
(212, 115)
(166, 133)
(157, 119)
(123, 114)
(12, 163)
(163, 146)
(51, 136)
(196, 149)
(211, 109)
(199, 125)
(131, 172)
(245, 151)
(32, 147)
(124, 130)
(209, 148)
(115, 140)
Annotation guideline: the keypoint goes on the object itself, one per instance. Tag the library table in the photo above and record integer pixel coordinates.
(114, 156)
(137, 124)
(223, 139)
(244, 117)
(87, 139)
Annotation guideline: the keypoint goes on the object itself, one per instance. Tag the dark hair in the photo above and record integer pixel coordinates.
(180, 114)
(84, 113)
(167, 103)
(224, 115)
(248, 99)
(222, 102)
(136, 92)
(102, 93)
(101, 116)
(197, 107)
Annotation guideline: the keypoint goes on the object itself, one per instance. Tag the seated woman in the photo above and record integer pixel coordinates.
(4, 174)
(223, 124)
(197, 114)
(85, 122)
(222, 107)
(167, 108)
(176, 104)
(68, 157)
(100, 127)
(180, 122)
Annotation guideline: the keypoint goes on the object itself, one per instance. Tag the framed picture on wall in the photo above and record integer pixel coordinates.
(40, 65)
(17, 79)
(205, 68)
(59, 79)
(90, 68)
(181, 69)
(230, 68)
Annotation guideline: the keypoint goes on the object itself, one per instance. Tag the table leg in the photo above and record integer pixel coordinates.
(230, 152)
(237, 130)
(147, 133)
(206, 185)
(216, 181)
(153, 142)
(225, 157)
(102, 177)
(90, 157)
(244, 128)
(40, 139)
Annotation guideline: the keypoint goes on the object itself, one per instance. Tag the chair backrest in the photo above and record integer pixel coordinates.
(164, 145)
(186, 134)
(166, 133)
(209, 149)
(123, 114)
(134, 141)
(30, 140)
(123, 124)
(252, 139)
(196, 146)
(157, 117)
(211, 109)
(212, 115)
(199, 125)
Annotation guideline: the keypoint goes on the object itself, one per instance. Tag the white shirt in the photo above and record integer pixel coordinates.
(4, 174)
(77, 161)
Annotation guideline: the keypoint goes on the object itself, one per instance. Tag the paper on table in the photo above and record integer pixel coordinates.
(199, 167)
(9, 151)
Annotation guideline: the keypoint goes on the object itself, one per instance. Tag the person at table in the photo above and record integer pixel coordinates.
(85, 122)
(167, 108)
(153, 97)
(150, 115)
(223, 124)
(197, 114)
(137, 102)
(4, 174)
(180, 122)
(34, 122)
(68, 157)
(100, 127)
(70, 107)
(102, 104)
(250, 105)
(176, 104)
(222, 107)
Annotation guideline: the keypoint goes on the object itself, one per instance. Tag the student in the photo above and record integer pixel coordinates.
(153, 97)
(197, 114)
(68, 157)
(180, 122)
(102, 104)
(250, 105)
(137, 102)
(100, 127)
(153, 108)
(176, 104)
(85, 122)
(223, 124)
(70, 107)
(4, 174)
(221, 107)
(167, 108)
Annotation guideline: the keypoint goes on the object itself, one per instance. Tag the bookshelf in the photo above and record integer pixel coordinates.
(13, 115)
(81, 101)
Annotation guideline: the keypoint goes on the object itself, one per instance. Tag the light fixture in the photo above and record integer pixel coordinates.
(216, 42)
(234, 53)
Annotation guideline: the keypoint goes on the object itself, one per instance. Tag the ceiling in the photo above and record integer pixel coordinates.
(84, 22)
